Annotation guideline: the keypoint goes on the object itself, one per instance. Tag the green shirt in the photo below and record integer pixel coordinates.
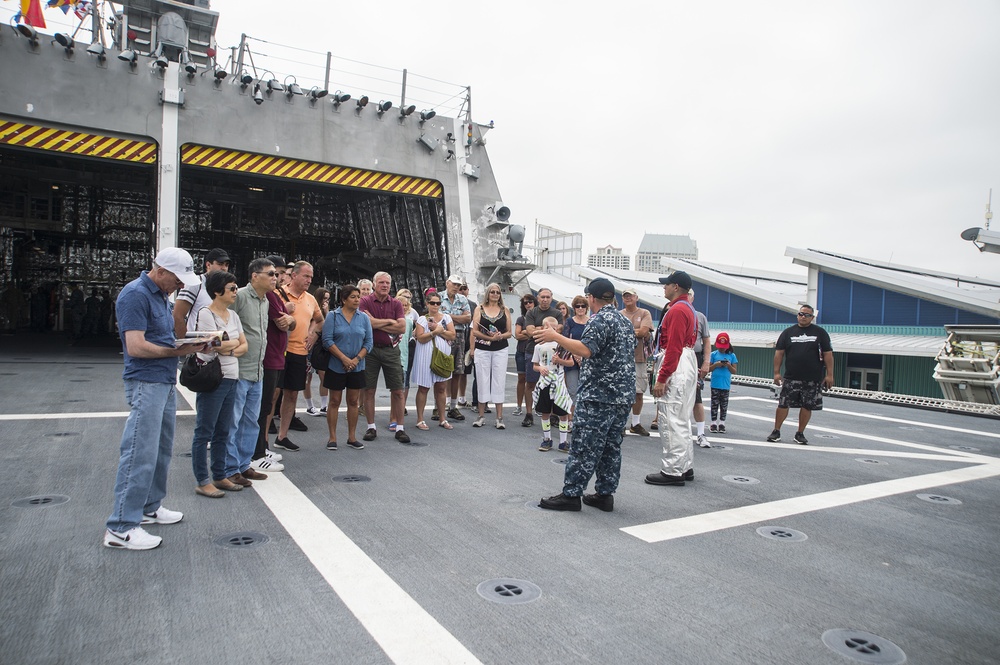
(252, 310)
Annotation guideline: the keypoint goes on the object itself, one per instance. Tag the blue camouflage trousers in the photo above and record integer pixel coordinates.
(597, 447)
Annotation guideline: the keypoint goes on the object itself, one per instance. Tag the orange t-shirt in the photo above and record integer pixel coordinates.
(305, 309)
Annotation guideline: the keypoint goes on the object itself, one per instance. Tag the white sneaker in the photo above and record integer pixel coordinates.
(702, 441)
(500, 423)
(134, 539)
(163, 516)
(479, 422)
(264, 465)
(313, 411)
(272, 456)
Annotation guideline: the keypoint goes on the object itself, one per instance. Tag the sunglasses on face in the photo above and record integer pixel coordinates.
(580, 306)
(433, 302)
(232, 288)
(805, 315)
(494, 293)
(269, 273)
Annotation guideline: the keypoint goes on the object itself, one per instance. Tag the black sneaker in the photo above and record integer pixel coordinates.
(605, 502)
(402, 436)
(370, 435)
(455, 414)
(434, 414)
(689, 475)
(660, 478)
(331, 445)
(713, 429)
(529, 421)
(272, 429)
(638, 429)
(285, 444)
(774, 436)
(297, 425)
(722, 429)
(357, 445)
(546, 446)
(801, 439)
(654, 425)
(560, 502)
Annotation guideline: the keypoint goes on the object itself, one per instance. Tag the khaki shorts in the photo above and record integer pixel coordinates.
(641, 377)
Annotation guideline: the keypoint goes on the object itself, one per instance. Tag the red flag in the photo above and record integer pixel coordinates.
(31, 12)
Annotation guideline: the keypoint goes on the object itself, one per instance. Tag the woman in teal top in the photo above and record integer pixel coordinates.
(347, 335)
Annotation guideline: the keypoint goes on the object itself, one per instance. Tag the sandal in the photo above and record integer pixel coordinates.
(422, 425)
(445, 424)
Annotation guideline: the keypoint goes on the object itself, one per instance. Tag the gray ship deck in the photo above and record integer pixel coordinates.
(387, 571)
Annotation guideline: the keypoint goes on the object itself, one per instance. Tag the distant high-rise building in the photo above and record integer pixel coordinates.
(655, 247)
(608, 257)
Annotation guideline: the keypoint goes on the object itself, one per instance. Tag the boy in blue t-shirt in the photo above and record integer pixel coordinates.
(723, 367)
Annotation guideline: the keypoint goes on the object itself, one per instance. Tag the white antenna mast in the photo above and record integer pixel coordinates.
(989, 213)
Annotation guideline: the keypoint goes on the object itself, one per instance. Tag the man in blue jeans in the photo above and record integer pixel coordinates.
(146, 326)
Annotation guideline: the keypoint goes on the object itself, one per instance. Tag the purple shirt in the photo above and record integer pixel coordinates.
(277, 339)
(390, 308)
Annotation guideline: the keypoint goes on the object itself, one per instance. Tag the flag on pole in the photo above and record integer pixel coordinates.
(31, 13)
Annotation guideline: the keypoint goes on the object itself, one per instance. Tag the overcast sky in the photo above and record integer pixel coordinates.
(867, 128)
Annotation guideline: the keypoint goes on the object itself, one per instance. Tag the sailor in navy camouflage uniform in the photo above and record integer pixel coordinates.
(604, 401)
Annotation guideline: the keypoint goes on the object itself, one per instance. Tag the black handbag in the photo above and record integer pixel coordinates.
(198, 375)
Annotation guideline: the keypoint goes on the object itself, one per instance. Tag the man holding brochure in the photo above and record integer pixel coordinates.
(146, 326)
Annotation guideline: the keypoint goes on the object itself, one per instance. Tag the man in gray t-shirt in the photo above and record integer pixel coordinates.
(532, 321)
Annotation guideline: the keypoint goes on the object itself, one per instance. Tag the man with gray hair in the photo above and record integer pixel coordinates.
(252, 307)
(456, 305)
(388, 323)
(146, 327)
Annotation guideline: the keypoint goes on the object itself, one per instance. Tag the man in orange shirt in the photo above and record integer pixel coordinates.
(308, 322)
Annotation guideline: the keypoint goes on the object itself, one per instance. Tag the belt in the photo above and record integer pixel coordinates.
(383, 346)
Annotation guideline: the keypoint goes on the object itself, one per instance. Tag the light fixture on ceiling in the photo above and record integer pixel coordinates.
(293, 87)
(426, 115)
(97, 49)
(340, 97)
(245, 79)
(220, 73)
(65, 41)
(29, 32)
(160, 60)
(406, 110)
(315, 93)
(362, 102)
(383, 106)
(273, 84)
(129, 56)
(189, 65)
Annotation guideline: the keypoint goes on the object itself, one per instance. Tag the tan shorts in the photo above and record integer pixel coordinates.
(641, 377)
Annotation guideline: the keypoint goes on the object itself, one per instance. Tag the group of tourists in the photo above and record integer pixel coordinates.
(582, 366)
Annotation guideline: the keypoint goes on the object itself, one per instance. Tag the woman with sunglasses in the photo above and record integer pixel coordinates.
(522, 337)
(573, 329)
(435, 329)
(216, 418)
(491, 330)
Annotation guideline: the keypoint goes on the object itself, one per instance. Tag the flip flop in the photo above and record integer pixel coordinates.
(213, 493)
(445, 424)
(422, 425)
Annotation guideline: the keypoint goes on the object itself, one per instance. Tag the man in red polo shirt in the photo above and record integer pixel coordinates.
(676, 382)
(388, 323)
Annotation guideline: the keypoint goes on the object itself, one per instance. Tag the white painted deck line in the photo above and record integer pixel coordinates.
(74, 416)
(790, 427)
(862, 452)
(403, 629)
(916, 423)
(681, 527)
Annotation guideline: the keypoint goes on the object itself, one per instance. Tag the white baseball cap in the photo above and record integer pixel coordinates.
(179, 262)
